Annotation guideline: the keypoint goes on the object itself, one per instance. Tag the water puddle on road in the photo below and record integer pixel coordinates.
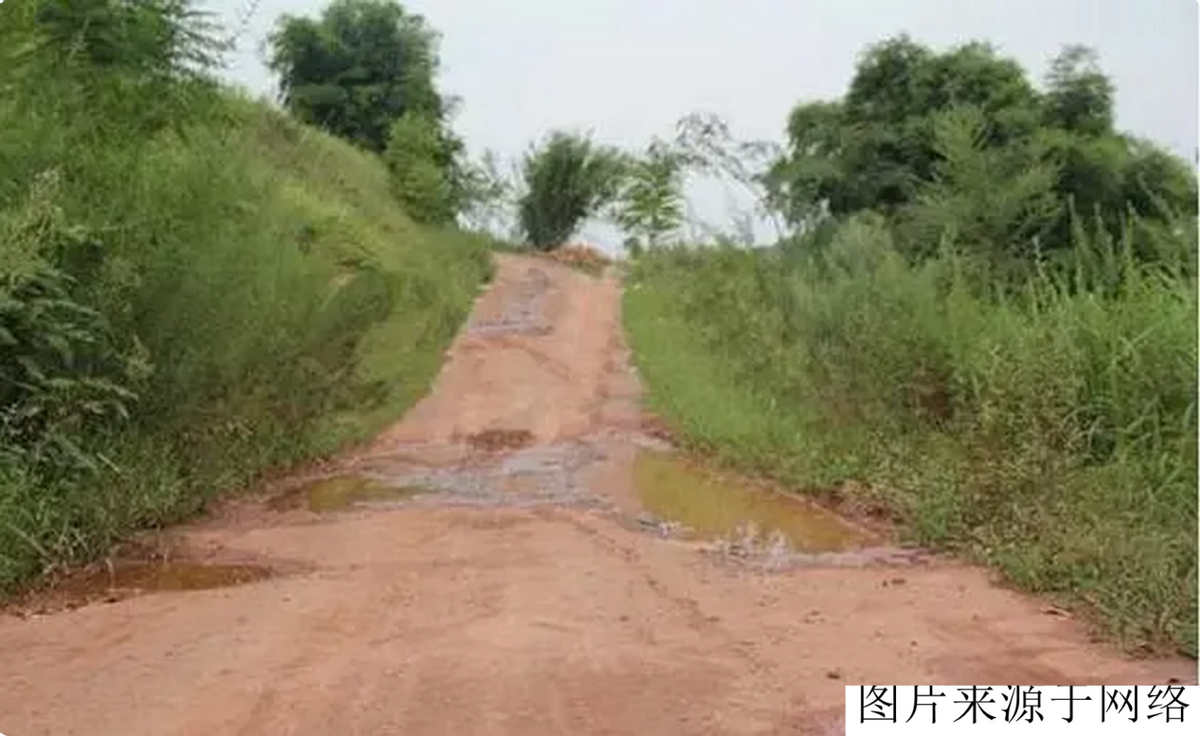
(159, 576)
(715, 506)
(341, 492)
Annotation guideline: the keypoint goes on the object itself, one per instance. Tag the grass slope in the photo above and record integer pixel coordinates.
(1052, 437)
(279, 303)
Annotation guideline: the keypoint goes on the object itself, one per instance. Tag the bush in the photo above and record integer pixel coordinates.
(567, 180)
(419, 181)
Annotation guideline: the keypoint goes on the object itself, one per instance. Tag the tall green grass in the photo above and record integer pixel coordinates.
(1048, 429)
(235, 292)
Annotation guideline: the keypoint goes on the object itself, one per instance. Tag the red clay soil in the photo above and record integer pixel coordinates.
(470, 614)
(581, 256)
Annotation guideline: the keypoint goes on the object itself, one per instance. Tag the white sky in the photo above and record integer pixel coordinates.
(628, 69)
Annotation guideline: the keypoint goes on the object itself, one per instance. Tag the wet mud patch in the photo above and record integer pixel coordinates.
(117, 580)
(521, 312)
(497, 440)
(150, 577)
(529, 476)
(694, 502)
(339, 493)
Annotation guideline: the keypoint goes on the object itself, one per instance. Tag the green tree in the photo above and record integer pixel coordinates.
(873, 148)
(1079, 96)
(650, 205)
(357, 69)
(883, 147)
(802, 183)
(995, 203)
(567, 179)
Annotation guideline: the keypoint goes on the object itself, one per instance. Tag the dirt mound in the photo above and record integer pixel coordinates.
(582, 257)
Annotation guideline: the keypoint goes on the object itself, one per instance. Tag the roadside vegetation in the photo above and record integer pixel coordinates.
(196, 287)
(978, 314)
(983, 322)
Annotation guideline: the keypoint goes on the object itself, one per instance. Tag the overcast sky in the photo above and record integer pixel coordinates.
(628, 69)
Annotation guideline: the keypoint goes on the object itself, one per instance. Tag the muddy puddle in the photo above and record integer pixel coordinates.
(341, 492)
(160, 576)
(125, 578)
(713, 506)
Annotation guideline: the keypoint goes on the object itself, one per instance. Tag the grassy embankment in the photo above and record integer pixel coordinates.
(194, 289)
(1049, 432)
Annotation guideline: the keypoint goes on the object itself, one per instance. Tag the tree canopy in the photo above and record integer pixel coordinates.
(364, 71)
(357, 69)
(884, 144)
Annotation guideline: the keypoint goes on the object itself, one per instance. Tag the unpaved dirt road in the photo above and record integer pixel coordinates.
(520, 594)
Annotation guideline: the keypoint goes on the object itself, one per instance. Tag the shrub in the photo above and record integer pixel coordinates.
(419, 180)
(567, 179)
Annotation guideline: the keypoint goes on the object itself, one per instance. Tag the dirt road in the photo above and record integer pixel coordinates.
(494, 575)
